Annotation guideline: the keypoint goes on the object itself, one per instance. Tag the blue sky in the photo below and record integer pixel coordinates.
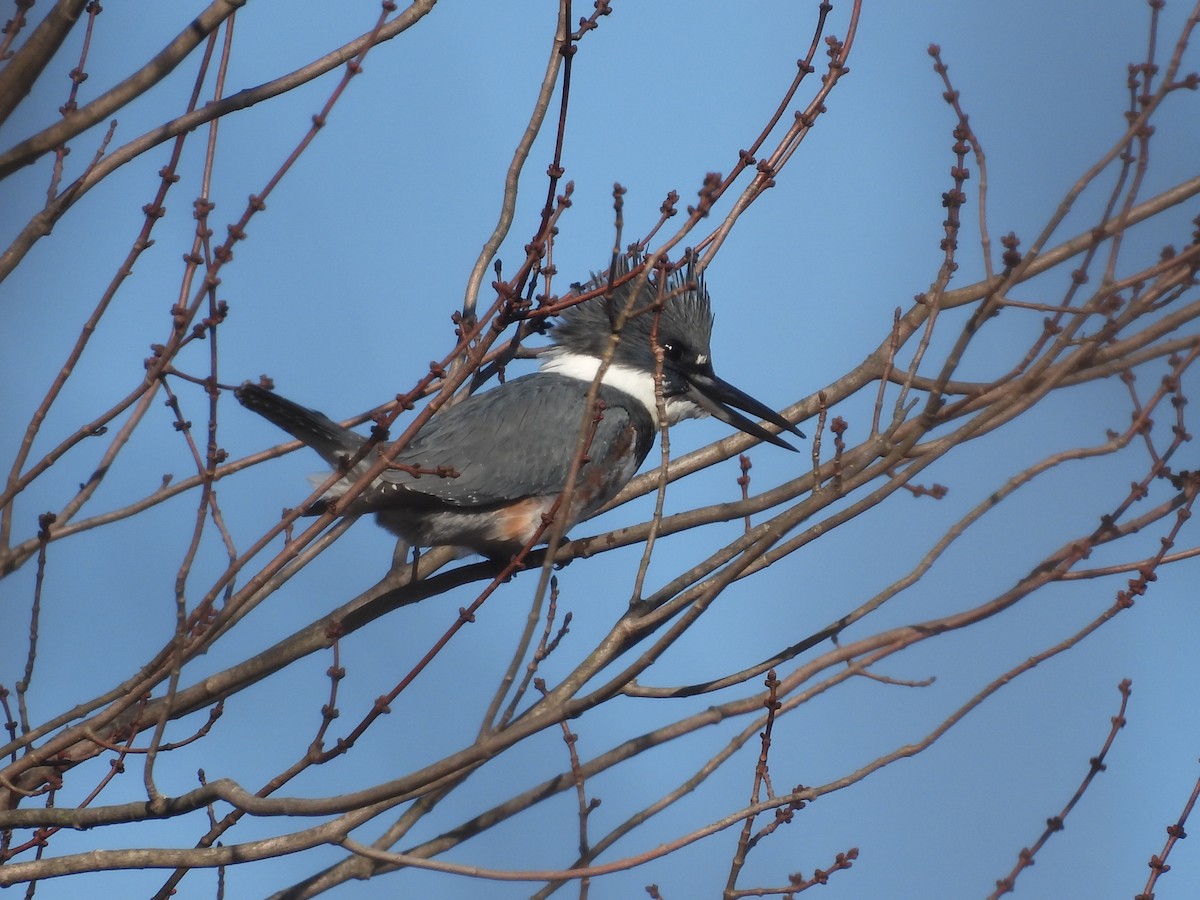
(343, 293)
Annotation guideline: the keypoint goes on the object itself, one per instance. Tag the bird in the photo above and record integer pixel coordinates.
(482, 474)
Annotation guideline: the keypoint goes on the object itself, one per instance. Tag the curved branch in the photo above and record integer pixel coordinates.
(110, 101)
(26, 65)
(41, 224)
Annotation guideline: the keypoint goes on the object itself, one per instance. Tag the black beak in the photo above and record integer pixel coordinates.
(717, 396)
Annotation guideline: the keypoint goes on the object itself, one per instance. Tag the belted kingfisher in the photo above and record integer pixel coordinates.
(510, 449)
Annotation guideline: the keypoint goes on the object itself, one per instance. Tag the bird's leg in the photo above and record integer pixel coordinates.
(400, 557)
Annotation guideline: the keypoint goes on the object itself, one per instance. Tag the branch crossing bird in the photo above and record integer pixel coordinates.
(507, 452)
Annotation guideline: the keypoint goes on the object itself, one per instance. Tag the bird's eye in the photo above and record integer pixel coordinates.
(672, 350)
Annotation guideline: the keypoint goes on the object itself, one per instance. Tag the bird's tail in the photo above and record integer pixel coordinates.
(331, 440)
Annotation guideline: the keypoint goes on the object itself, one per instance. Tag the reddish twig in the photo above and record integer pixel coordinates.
(1025, 858)
(1175, 833)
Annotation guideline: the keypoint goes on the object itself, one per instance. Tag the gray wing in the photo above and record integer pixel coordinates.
(516, 441)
